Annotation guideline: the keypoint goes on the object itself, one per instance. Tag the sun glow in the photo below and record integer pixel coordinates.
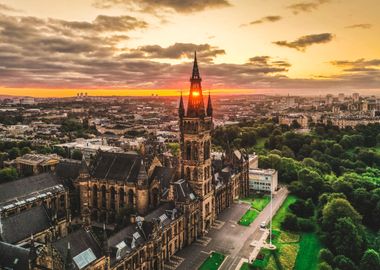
(195, 94)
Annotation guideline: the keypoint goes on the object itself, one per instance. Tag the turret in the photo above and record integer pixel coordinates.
(209, 106)
(181, 108)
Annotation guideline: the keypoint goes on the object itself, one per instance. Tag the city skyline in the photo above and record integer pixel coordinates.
(140, 47)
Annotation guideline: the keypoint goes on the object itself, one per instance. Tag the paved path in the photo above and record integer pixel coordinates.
(231, 239)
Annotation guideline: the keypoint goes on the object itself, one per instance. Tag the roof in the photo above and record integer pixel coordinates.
(116, 166)
(22, 225)
(28, 185)
(164, 175)
(80, 241)
(183, 192)
(68, 169)
(38, 158)
(13, 257)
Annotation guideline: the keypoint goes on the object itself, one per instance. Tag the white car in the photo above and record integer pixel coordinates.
(263, 225)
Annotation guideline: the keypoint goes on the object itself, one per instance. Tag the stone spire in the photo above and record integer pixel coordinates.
(195, 106)
(181, 108)
(209, 106)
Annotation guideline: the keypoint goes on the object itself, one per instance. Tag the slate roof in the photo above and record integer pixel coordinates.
(183, 191)
(22, 225)
(28, 185)
(164, 175)
(164, 215)
(80, 241)
(68, 169)
(116, 166)
(13, 257)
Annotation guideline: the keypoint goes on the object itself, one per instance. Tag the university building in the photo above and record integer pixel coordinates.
(133, 211)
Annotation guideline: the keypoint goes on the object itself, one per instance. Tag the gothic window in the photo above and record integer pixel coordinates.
(130, 198)
(188, 150)
(62, 202)
(195, 174)
(121, 197)
(155, 197)
(205, 175)
(188, 173)
(195, 151)
(113, 200)
(206, 150)
(104, 197)
(95, 196)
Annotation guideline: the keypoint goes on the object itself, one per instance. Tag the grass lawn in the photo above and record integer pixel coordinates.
(248, 217)
(213, 262)
(287, 255)
(307, 258)
(280, 215)
(257, 202)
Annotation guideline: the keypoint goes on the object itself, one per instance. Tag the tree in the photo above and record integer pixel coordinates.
(290, 222)
(343, 263)
(77, 154)
(8, 174)
(336, 209)
(14, 153)
(25, 150)
(370, 260)
(324, 266)
(325, 255)
(347, 239)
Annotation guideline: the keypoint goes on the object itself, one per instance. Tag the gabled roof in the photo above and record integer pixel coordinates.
(13, 257)
(80, 241)
(68, 169)
(183, 192)
(164, 175)
(116, 166)
(24, 186)
(22, 225)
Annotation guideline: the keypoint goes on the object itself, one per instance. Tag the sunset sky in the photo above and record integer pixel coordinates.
(139, 47)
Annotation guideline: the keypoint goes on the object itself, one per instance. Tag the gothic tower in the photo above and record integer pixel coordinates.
(195, 144)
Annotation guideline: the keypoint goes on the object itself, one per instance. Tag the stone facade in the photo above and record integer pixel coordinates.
(164, 206)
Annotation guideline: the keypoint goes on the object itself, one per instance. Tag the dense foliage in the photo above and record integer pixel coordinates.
(335, 173)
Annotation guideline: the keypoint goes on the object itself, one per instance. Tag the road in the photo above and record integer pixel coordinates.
(231, 239)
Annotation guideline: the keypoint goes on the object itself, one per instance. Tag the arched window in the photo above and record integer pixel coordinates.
(95, 196)
(130, 198)
(113, 200)
(188, 173)
(104, 196)
(195, 151)
(62, 202)
(195, 174)
(155, 197)
(205, 174)
(188, 150)
(206, 150)
(121, 197)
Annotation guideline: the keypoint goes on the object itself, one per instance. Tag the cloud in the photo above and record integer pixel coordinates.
(307, 6)
(264, 20)
(4, 7)
(303, 42)
(180, 6)
(357, 65)
(51, 53)
(362, 26)
(206, 52)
